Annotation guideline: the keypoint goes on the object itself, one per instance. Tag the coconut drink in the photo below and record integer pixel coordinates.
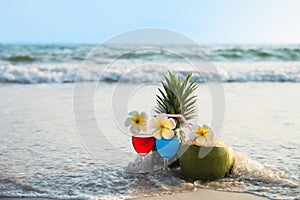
(207, 161)
(204, 156)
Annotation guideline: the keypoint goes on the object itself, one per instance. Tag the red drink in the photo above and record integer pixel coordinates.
(143, 143)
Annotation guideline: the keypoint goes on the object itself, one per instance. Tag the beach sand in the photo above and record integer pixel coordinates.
(205, 195)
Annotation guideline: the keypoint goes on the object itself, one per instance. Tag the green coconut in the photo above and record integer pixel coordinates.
(216, 163)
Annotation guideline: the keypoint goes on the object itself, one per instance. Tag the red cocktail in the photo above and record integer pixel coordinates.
(143, 143)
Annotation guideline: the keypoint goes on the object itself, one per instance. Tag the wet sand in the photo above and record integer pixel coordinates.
(199, 194)
(206, 195)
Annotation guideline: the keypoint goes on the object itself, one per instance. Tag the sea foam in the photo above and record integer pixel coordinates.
(226, 72)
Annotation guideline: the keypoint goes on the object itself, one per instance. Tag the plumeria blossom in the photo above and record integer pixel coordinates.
(137, 121)
(162, 127)
(202, 134)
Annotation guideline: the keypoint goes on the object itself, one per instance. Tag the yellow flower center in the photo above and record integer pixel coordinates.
(164, 127)
(202, 132)
(138, 120)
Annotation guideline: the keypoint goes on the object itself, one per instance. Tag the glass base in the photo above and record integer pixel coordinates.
(144, 165)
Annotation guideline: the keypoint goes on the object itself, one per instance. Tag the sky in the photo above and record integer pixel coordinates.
(93, 21)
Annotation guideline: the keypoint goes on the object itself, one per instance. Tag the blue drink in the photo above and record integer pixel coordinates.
(167, 148)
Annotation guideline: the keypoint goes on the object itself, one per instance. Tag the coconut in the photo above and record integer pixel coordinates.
(205, 161)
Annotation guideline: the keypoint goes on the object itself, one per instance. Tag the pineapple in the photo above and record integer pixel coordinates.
(177, 98)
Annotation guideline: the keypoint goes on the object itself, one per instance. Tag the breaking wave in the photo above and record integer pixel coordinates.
(227, 72)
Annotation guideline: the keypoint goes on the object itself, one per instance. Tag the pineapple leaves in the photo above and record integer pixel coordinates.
(177, 97)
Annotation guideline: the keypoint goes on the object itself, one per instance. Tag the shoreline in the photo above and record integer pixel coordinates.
(206, 194)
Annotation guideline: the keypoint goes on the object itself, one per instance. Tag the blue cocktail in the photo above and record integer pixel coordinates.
(167, 148)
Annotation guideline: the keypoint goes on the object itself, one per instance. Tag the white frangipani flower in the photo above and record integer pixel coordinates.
(162, 126)
(202, 134)
(137, 121)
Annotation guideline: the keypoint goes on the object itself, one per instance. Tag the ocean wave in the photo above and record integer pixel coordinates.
(12, 54)
(252, 170)
(20, 58)
(33, 74)
(257, 54)
(227, 72)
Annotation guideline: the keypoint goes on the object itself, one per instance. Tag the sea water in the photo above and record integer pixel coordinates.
(43, 155)
(59, 63)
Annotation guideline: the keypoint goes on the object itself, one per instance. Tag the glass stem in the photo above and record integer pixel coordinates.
(142, 163)
(165, 165)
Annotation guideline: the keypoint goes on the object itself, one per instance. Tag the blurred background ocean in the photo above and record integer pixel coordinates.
(28, 64)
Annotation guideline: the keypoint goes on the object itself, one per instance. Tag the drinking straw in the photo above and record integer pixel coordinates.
(182, 118)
